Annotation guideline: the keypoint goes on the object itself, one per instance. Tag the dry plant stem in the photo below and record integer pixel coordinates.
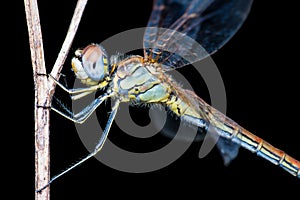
(41, 104)
(67, 43)
(44, 89)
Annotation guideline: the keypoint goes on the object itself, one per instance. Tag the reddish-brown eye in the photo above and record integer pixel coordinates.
(94, 62)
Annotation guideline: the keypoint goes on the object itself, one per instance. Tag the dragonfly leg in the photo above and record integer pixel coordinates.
(98, 147)
(80, 95)
(61, 105)
(85, 113)
(84, 91)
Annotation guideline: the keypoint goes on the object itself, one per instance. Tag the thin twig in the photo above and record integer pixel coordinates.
(67, 43)
(44, 89)
(41, 111)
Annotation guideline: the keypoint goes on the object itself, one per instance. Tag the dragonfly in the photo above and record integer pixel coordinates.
(168, 44)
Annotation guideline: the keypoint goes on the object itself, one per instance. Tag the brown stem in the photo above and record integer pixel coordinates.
(44, 89)
(67, 43)
(41, 104)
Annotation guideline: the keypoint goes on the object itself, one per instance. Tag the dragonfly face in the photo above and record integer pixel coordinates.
(90, 64)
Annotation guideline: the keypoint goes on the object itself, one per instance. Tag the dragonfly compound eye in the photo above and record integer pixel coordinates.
(91, 63)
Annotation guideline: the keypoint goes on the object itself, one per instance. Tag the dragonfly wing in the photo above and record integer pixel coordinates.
(216, 120)
(180, 32)
(228, 150)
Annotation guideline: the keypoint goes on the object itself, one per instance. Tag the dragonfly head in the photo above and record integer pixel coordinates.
(90, 64)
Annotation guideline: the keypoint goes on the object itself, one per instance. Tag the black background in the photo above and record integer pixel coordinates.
(258, 66)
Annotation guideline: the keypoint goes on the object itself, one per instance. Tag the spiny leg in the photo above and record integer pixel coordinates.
(96, 150)
(86, 112)
(76, 90)
(67, 111)
(80, 95)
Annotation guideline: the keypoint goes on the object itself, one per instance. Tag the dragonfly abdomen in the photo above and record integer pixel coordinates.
(195, 111)
(267, 151)
(228, 129)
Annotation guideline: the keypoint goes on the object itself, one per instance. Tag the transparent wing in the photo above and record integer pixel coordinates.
(215, 120)
(180, 32)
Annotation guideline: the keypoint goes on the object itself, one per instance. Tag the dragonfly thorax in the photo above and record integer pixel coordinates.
(90, 64)
(136, 80)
